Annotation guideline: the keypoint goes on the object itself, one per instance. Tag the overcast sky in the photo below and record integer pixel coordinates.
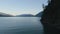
(16, 7)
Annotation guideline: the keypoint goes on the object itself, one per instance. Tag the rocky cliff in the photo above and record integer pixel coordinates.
(51, 17)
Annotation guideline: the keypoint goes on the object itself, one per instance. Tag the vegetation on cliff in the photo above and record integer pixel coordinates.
(51, 13)
(51, 17)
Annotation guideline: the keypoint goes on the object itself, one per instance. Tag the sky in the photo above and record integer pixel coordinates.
(18, 7)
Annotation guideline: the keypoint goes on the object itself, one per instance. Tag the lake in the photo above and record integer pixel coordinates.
(20, 25)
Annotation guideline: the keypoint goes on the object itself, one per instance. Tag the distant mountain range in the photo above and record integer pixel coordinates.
(39, 14)
(5, 15)
(30, 15)
(25, 15)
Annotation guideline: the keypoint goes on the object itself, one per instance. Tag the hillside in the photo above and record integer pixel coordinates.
(25, 15)
(39, 14)
(5, 15)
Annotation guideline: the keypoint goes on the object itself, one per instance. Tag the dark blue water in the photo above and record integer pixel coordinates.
(20, 25)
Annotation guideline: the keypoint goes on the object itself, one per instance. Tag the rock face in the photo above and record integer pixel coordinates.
(51, 17)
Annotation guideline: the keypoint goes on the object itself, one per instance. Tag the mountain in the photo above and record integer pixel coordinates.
(25, 15)
(5, 15)
(39, 14)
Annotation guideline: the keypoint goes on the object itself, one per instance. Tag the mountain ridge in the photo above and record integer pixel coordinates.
(25, 15)
(39, 14)
(5, 15)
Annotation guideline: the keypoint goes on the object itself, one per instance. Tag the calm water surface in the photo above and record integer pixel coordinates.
(20, 25)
